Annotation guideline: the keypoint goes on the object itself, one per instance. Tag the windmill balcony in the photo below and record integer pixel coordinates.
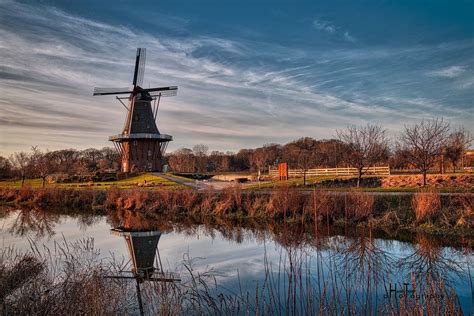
(124, 137)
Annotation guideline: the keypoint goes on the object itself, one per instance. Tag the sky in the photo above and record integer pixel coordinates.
(248, 72)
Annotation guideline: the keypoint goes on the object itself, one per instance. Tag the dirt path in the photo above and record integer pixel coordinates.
(200, 185)
(195, 184)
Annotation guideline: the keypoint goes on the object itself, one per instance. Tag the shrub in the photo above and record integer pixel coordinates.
(322, 205)
(426, 205)
(359, 205)
(466, 204)
(111, 197)
(284, 200)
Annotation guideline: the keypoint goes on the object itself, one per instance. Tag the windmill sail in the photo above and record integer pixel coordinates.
(139, 67)
(111, 91)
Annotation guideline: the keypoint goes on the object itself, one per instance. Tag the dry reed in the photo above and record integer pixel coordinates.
(282, 203)
(426, 204)
(69, 280)
(359, 205)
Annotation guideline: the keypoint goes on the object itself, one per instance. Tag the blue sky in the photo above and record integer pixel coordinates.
(249, 72)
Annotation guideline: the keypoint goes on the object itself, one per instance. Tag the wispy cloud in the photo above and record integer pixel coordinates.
(232, 94)
(349, 37)
(448, 72)
(323, 25)
(330, 28)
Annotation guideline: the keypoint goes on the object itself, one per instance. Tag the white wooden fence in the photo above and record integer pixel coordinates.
(295, 173)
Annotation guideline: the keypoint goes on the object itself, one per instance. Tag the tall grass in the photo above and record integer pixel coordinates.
(284, 204)
(427, 205)
(66, 280)
(359, 205)
(344, 278)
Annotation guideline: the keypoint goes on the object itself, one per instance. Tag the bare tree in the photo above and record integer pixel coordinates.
(366, 145)
(225, 163)
(457, 143)
(5, 168)
(422, 143)
(258, 159)
(200, 151)
(304, 153)
(64, 160)
(20, 161)
(42, 163)
(305, 159)
(182, 160)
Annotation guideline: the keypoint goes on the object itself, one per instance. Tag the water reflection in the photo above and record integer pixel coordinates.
(34, 221)
(141, 237)
(363, 258)
(301, 268)
(430, 261)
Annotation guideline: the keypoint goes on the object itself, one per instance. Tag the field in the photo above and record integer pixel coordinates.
(443, 183)
(146, 181)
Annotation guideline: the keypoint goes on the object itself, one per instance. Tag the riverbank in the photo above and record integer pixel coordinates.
(429, 211)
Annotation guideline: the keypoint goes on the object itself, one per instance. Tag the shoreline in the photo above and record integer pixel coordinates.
(453, 215)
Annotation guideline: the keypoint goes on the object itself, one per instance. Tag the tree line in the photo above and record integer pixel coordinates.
(419, 146)
(39, 164)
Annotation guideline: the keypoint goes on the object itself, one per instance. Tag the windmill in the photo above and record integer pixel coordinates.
(141, 144)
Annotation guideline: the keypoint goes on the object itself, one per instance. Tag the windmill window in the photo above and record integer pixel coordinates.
(149, 152)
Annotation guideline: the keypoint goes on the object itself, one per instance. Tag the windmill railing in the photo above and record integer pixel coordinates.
(123, 137)
(295, 173)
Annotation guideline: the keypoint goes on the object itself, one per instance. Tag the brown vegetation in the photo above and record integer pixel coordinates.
(283, 204)
(69, 280)
(359, 205)
(465, 181)
(426, 205)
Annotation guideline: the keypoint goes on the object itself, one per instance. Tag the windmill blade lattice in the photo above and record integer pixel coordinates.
(167, 93)
(107, 91)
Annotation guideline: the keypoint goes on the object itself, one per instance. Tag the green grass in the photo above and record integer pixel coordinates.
(146, 181)
(292, 182)
(32, 183)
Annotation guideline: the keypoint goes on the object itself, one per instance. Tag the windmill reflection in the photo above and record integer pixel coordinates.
(141, 238)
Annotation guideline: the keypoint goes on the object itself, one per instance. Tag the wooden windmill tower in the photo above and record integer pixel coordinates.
(141, 144)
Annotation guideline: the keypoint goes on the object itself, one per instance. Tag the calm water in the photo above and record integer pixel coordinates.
(240, 256)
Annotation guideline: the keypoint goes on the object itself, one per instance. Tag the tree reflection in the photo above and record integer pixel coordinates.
(38, 222)
(429, 261)
(361, 257)
(361, 263)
